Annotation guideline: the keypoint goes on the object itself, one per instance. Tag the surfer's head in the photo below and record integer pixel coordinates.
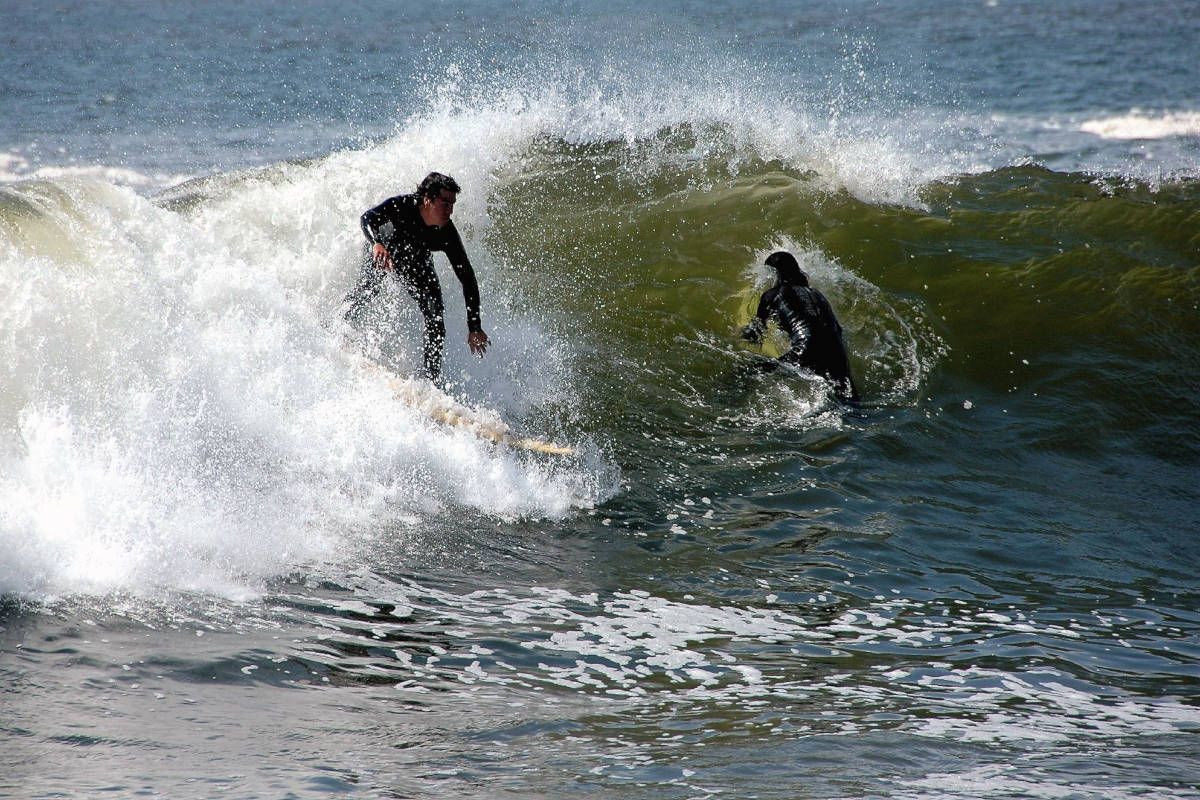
(435, 183)
(787, 268)
(435, 197)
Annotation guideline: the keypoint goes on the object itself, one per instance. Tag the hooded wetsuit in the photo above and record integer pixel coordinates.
(806, 317)
(396, 223)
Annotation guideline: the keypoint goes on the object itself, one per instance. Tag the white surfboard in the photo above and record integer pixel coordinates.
(423, 396)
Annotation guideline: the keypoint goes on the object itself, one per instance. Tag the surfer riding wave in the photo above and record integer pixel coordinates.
(403, 232)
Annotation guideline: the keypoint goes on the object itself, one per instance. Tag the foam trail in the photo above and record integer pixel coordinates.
(1140, 125)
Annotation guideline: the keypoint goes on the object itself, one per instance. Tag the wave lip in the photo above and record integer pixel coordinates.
(15, 168)
(1141, 125)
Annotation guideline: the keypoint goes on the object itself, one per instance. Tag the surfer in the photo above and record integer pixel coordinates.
(403, 231)
(806, 317)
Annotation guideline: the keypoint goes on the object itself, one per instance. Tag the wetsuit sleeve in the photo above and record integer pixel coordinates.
(457, 255)
(764, 308)
(754, 331)
(378, 224)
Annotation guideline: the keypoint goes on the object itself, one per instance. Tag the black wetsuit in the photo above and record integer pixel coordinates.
(396, 224)
(806, 317)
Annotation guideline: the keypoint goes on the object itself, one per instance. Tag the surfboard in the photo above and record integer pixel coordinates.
(444, 409)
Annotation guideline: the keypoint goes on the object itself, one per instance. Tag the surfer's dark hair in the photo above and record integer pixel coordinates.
(785, 264)
(434, 184)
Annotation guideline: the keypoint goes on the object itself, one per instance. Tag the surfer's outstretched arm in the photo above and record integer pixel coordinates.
(477, 340)
(758, 326)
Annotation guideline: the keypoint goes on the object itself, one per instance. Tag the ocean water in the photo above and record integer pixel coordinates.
(232, 564)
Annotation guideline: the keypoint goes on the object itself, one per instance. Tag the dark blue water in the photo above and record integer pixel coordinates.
(187, 91)
(234, 563)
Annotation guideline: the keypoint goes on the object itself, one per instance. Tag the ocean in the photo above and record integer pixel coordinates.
(233, 564)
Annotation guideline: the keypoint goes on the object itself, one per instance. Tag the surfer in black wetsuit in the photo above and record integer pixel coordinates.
(403, 232)
(806, 317)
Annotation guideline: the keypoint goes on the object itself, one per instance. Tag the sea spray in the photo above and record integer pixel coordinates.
(182, 413)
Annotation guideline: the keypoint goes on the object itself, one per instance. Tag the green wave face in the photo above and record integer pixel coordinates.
(1021, 286)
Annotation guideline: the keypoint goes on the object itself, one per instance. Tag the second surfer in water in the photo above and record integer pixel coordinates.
(807, 318)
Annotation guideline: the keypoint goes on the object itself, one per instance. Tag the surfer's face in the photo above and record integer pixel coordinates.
(436, 211)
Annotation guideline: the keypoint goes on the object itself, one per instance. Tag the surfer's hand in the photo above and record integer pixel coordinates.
(379, 255)
(478, 342)
(752, 333)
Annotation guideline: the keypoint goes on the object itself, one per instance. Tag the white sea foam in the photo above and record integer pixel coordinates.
(1143, 125)
(13, 167)
(16, 167)
(178, 410)
(878, 157)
